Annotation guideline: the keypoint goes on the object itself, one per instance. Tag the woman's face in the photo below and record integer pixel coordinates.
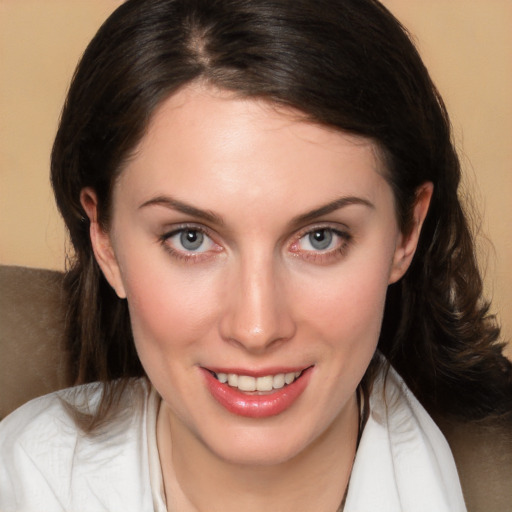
(254, 247)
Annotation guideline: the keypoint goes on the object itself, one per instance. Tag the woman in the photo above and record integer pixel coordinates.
(262, 199)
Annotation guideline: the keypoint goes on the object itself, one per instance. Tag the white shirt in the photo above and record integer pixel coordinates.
(403, 462)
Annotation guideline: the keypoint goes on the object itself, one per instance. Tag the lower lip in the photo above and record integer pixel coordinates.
(257, 406)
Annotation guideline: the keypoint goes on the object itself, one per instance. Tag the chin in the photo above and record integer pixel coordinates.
(269, 442)
(260, 450)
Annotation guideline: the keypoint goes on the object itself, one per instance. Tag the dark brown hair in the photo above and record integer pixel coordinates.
(346, 64)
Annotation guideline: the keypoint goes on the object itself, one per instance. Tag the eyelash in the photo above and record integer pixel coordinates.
(190, 256)
(326, 256)
(319, 256)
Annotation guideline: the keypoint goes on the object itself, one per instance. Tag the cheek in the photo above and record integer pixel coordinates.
(346, 306)
(169, 309)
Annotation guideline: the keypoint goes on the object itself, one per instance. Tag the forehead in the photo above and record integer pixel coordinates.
(202, 141)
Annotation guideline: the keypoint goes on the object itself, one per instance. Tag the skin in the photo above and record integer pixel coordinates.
(257, 294)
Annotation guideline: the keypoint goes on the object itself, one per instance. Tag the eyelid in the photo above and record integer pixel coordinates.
(177, 228)
(184, 255)
(340, 230)
(322, 256)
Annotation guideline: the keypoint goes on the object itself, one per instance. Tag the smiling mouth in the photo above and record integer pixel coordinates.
(266, 383)
(257, 396)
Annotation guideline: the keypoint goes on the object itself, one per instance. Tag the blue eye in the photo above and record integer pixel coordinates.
(322, 239)
(189, 240)
(322, 245)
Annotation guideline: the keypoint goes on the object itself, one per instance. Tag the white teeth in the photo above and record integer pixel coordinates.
(278, 381)
(223, 377)
(246, 383)
(289, 377)
(265, 383)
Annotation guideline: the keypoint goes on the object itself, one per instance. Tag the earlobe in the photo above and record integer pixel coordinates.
(101, 243)
(406, 246)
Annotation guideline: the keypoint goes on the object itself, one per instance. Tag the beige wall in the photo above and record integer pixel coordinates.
(467, 45)
(40, 43)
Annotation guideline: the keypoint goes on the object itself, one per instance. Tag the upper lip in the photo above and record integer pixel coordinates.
(259, 372)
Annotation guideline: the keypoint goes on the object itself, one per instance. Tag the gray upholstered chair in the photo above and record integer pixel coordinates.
(32, 363)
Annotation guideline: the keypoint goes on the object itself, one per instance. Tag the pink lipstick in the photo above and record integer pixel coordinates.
(243, 398)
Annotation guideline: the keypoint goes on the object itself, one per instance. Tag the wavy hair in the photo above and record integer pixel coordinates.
(346, 64)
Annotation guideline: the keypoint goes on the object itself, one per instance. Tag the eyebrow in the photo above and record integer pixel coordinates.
(174, 204)
(331, 207)
(209, 216)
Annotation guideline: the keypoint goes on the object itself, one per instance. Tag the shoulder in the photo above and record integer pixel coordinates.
(48, 418)
(37, 448)
(403, 461)
(46, 458)
(44, 423)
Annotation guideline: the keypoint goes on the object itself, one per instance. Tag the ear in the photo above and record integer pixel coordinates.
(408, 242)
(101, 243)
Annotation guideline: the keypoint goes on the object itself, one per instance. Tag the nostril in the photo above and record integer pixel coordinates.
(256, 316)
(257, 345)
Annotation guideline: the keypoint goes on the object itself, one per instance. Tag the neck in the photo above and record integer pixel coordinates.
(197, 480)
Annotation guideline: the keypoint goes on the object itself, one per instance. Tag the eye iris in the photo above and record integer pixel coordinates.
(320, 239)
(191, 240)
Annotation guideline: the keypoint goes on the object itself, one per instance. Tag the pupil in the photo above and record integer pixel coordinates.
(320, 239)
(191, 240)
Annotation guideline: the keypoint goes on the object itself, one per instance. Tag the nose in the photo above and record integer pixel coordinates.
(257, 313)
